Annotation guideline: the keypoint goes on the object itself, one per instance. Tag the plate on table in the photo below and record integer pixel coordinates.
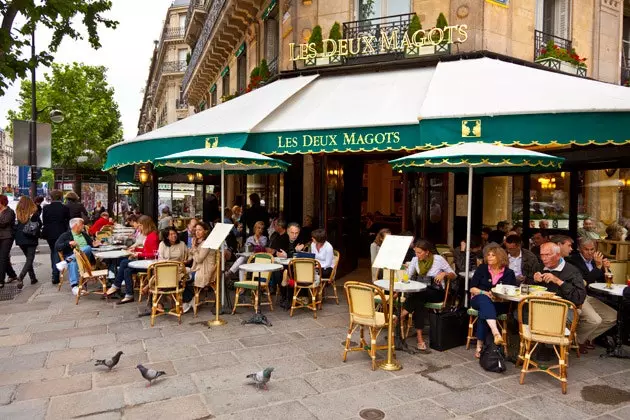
(535, 288)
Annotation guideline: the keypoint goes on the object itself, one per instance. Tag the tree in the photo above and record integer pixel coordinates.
(335, 32)
(414, 26)
(58, 15)
(92, 118)
(48, 176)
(316, 38)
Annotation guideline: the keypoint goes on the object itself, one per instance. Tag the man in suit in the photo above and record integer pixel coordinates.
(187, 235)
(595, 317)
(56, 217)
(521, 260)
(559, 277)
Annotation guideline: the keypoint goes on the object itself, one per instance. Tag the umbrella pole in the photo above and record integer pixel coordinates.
(468, 223)
(219, 293)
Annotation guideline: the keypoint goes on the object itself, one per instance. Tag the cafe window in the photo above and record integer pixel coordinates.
(370, 9)
(604, 198)
(183, 200)
(549, 200)
(270, 188)
(502, 200)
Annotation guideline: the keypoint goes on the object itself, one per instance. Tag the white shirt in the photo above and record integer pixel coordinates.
(325, 255)
(589, 263)
(439, 265)
(516, 263)
(560, 266)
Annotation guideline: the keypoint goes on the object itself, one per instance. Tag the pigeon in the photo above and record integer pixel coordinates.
(150, 374)
(110, 363)
(261, 378)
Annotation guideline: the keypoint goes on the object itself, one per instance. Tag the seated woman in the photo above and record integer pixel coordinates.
(148, 250)
(170, 249)
(203, 272)
(258, 241)
(374, 248)
(494, 270)
(323, 251)
(432, 270)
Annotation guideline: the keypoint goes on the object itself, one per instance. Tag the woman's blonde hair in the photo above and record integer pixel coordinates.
(259, 224)
(25, 209)
(498, 252)
(380, 236)
(72, 196)
(147, 225)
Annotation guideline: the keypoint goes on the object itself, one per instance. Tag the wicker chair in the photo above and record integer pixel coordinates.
(86, 274)
(362, 304)
(252, 285)
(302, 271)
(165, 279)
(63, 273)
(501, 323)
(547, 324)
(331, 281)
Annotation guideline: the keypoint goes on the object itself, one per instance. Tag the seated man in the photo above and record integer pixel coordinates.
(294, 246)
(460, 254)
(521, 260)
(596, 317)
(560, 277)
(538, 239)
(75, 237)
(280, 239)
(103, 220)
(588, 230)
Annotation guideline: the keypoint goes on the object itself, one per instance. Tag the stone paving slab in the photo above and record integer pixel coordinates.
(48, 346)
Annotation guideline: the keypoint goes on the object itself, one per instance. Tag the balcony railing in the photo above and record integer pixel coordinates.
(208, 26)
(174, 66)
(541, 39)
(181, 104)
(173, 33)
(376, 28)
(195, 5)
(273, 67)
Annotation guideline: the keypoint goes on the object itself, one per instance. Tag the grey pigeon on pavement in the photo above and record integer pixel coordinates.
(110, 363)
(261, 378)
(150, 374)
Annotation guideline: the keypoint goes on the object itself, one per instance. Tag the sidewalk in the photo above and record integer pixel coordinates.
(48, 344)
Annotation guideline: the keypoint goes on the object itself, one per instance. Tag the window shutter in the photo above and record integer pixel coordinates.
(562, 23)
(540, 12)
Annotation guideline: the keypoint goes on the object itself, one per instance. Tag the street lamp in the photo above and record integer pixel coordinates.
(56, 116)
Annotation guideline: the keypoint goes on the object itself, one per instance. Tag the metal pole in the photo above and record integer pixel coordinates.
(468, 223)
(223, 244)
(32, 145)
(391, 363)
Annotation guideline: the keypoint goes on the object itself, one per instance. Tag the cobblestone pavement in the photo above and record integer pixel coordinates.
(48, 345)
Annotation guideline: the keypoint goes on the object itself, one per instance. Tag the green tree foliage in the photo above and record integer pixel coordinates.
(335, 32)
(414, 26)
(60, 16)
(92, 118)
(316, 38)
(441, 23)
(264, 70)
(48, 175)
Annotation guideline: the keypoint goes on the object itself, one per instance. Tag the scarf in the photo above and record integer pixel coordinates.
(425, 265)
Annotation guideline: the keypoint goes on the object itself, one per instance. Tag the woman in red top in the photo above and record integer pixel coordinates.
(148, 250)
(99, 223)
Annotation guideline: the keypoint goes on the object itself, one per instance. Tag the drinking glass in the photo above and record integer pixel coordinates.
(609, 280)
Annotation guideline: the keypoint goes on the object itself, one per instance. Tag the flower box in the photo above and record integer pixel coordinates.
(563, 66)
(320, 60)
(415, 51)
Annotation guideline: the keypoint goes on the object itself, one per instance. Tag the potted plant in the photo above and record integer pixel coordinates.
(264, 70)
(414, 26)
(443, 46)
(335, 35)
(562, 59)
(315, 38)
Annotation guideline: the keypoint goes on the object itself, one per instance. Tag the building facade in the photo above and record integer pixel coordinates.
(239, 45)
(8, 172)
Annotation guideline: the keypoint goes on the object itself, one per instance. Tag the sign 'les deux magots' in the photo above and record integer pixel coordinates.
(389, 41)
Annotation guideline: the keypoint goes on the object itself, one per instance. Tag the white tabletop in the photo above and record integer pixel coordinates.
(617, 289)
(260, 267)
(283, 261)
(107, 248)
(515, 298)
(411, 286)
(244, 254)
(141, 264)
(111, 254)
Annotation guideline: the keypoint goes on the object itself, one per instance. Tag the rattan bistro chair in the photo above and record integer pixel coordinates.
(87, 274)
(63, 274)
(302, 271)
(473, 317)
(252, 285)
(331, 281)
(363, 313)
(547, 324)
(165, 278)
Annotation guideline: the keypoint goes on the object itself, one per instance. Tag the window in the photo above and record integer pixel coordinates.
(225, 84)
(241, 71)
(213, 97)
(502, 200)
(370, 9)
(552, 17)
(549, 200)
(182, 22)
(272, 28)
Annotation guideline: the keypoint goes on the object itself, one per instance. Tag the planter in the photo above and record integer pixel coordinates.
(322, 61)
(415, 51)
(563, 66)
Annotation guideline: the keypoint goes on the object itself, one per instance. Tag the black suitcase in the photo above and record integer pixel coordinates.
(448, 329)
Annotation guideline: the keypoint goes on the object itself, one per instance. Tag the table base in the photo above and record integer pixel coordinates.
(258, 318)
(216, 322)
(393, 366)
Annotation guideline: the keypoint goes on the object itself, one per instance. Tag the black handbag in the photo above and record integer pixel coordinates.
(448, 329)
(31, 228)
(491, 357)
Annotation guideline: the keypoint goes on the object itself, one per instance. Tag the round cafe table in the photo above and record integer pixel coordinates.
(400, 287)
(111, 255)
(143, 265)
(617, 293)
(259, 317)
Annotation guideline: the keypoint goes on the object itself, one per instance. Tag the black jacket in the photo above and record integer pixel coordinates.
(21, 239)
(56, 218)
(596, 275)
(63, 243)
(280, 242)
(255, 214)
(77, 210)
(7, 223)
(483, 280)
(572, 289)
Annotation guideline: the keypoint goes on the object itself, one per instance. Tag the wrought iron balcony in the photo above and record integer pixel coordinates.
(181, 104)
(273, 66)
(376, 28)
(541, 39)
(173, 33)
(193, 6)
(208, 26)
(174, 66)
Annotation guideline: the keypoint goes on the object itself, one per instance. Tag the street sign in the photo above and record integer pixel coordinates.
(21, 139)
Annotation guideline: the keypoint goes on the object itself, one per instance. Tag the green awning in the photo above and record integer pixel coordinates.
(598, 128)
(361, 139)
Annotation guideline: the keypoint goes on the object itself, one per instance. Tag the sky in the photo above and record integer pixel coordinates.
(126, 52)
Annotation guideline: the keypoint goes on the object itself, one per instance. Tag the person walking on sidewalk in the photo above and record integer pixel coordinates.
(27, 236)
(56, 219)
(7, 226)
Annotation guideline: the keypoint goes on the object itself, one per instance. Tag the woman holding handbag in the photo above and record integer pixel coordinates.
(27, 236)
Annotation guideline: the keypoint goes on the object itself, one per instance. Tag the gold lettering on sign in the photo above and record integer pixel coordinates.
(323, 142)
